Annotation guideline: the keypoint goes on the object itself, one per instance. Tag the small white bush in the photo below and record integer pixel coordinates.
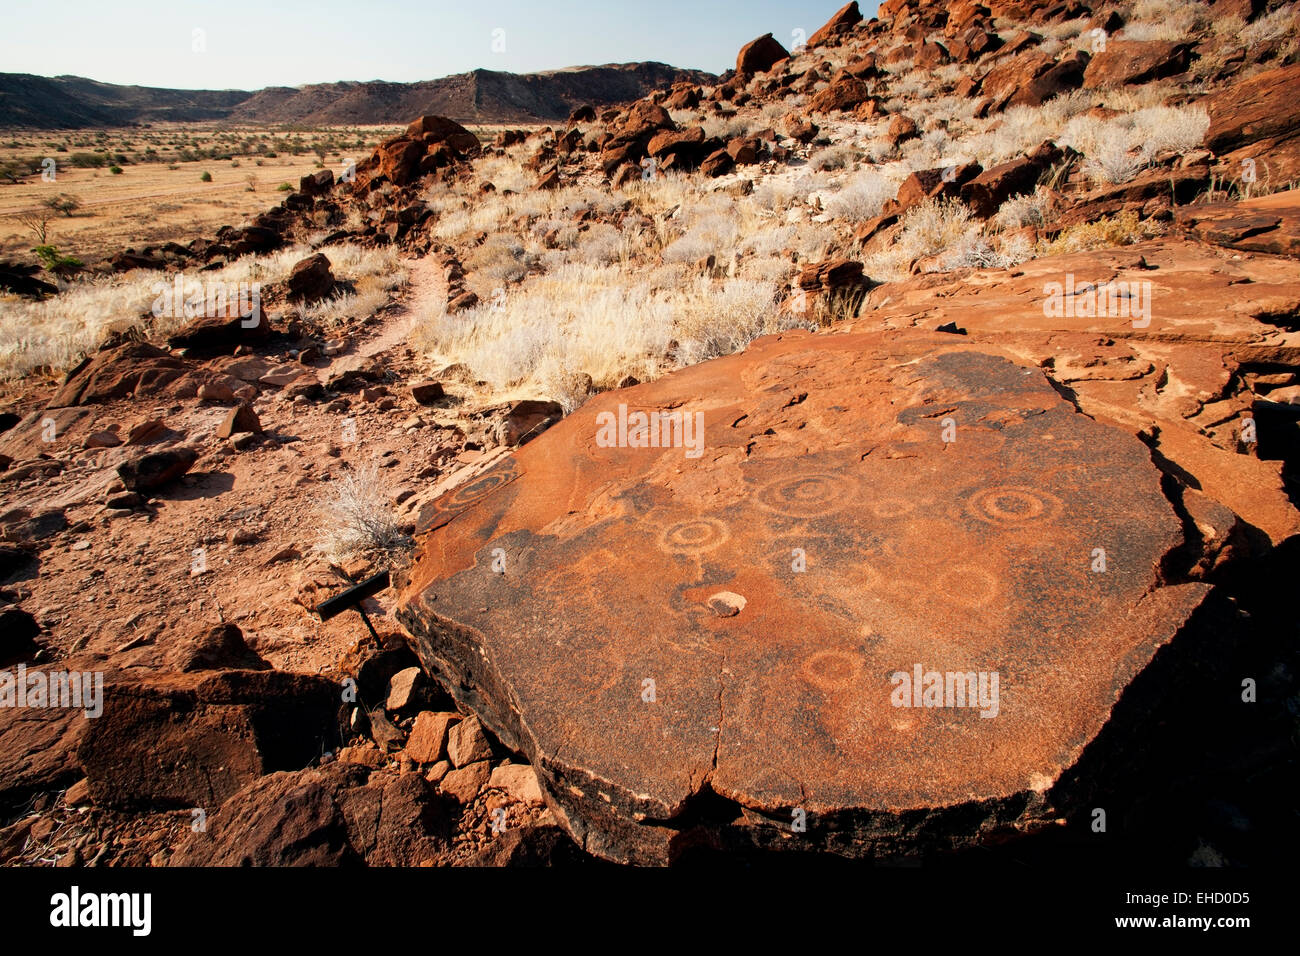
(1034, 209)
(833, 157)
(355, 517)
(862, 197)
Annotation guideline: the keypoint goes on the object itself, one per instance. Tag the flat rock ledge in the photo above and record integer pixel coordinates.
(712, 643)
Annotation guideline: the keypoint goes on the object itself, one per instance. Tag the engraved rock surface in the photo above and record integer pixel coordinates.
(569, 596)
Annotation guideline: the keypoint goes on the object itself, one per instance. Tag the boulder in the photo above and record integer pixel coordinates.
(427, 393)
(926, 184)
(395, 821)
(464, 783)
(119, 372)
(316, 184)
(986, 192)
(467, 744)
(398, 161)
(20, 279)
(717, 163)
(405, 689)
(930, 55)
(311, 279)
(1258, 119)
(1033, 77)
(439, 129)
(600, 658)
(845, 92)
(973, 44)
(901, 129)
(154, 471)
(170, 740)
(759, 56)
(217, 334)
(744, 150)
(286, 818)
(1124, 63)
(685, 98)
(519, 781)
(239, 419)
(800, 128)
(428, 740)
(843, 22)
(671, 142)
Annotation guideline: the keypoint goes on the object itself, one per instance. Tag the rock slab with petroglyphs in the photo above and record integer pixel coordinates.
(633, 619)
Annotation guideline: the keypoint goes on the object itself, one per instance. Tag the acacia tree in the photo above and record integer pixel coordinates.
(37, 221)
(64, 204)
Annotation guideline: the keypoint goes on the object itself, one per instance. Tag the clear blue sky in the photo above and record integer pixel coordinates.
(256, 43)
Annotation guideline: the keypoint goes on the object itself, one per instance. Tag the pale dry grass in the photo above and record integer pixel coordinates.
(607, 321)
(861, 197)
(55, 333)
(1117, 149)
(926, 230)
(1031, 209)
(1173, 20)
(355, 517)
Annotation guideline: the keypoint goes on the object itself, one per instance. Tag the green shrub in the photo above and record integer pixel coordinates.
(284, 188)
(55, 261)
(206, 177)
(115, 170)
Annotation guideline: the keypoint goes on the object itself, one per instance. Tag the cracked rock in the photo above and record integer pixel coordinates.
(927, 510)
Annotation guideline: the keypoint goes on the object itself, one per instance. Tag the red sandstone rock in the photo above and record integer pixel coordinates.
(117, 373)
(192, 740)
(1258, 119)
(310, 279)
(629, 705)
(241, 418)
(844, 93)
(844, 20)
(759, 56)
(1124, 63)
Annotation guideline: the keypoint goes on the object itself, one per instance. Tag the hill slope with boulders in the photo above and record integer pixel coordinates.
(888, 452)
(480, 96)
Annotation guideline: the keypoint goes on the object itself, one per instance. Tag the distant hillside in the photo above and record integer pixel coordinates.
(64, 102)
(481, 96)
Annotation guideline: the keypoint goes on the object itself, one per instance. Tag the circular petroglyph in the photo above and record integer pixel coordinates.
(831, 670)
(1012, 505)
(891, 507)
(806, 496)
(474, 491)
(694, 537)
(969, 585)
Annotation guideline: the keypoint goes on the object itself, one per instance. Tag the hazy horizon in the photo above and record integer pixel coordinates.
(151, 43)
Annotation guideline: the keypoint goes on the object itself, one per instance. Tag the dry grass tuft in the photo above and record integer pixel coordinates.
(355, 518)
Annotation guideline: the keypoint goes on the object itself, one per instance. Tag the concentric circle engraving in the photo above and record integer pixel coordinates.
(970, 585)
(475, 490)
(1012, 505)
(831, 670)
(806, 496)
(694, 537)
(891, 507)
